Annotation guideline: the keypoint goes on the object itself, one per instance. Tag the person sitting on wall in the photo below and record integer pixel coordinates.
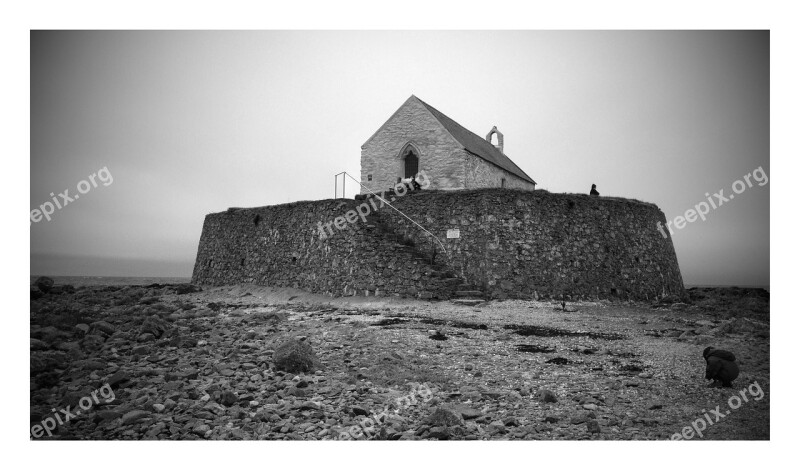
(720, 367)
(594, 192)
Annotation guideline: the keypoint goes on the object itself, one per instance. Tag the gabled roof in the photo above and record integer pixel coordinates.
(476, 145)
(471, 142)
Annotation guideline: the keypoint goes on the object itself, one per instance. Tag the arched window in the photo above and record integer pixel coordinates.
(410, 157)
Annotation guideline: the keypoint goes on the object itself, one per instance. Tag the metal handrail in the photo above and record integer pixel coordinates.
(336, 185)
(401, 212)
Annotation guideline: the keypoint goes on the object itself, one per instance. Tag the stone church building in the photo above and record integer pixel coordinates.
(417, 137)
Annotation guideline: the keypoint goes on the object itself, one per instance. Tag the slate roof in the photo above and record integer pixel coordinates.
(477, 145)
(471, 142)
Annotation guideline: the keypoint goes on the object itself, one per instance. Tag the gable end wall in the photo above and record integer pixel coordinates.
(442, 158)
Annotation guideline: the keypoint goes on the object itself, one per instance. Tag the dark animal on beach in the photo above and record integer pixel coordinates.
(594, 192)
(720, 366)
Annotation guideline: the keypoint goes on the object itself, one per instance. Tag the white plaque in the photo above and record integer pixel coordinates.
(454, 233)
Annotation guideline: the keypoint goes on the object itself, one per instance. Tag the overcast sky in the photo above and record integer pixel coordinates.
(189, 123)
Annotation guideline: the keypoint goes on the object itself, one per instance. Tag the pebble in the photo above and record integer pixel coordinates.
(134, 416)
(577, 420)
(593, 426)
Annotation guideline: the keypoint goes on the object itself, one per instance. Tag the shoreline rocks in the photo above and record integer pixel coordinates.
(247, 369)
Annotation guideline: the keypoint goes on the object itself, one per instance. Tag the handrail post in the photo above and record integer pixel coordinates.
(336, 184)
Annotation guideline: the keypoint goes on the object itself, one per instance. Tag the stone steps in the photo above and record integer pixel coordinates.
(468, 302)
(444, 284)
(469, 293)
(468, 296)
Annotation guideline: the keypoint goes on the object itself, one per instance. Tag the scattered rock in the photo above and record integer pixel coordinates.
(496, 427)
(106, 415)
(184, 289)
(467, 412)
(103, 327)
(438, 336)
(145, 337)
(44, 284)
(547, 396)
(577, 419)
(438, 432)
(215, 375)
(510, 421)
(135, 416)
(38, 345)
(36, 294)
(228, 398)
(155, 326)
(592, 426)
(119, 378)
(295, 356)
(558, 361)
(445, 417)
(201, 429)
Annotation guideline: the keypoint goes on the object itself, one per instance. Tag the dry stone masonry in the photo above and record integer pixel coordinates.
(510, 244)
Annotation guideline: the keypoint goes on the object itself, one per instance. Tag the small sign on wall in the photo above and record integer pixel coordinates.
(454, 233)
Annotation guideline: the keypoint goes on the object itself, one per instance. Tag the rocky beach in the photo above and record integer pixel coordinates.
(177, 362)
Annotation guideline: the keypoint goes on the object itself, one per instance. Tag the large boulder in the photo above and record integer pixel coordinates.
(103, 327)
(547, 396)
(50, 334)
(39, 345)
(44, 284)
(45, 361)
(445, 417)
(92, 343)
(182, 289)
(36, 294)
(295, 356)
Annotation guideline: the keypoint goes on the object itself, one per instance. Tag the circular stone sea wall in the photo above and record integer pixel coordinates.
(510, 244)
(531, 244)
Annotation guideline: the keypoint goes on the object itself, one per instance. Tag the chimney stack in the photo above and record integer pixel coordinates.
(499, 145)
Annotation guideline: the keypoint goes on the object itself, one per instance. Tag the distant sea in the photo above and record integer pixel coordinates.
(114, 281)
(143, 281)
